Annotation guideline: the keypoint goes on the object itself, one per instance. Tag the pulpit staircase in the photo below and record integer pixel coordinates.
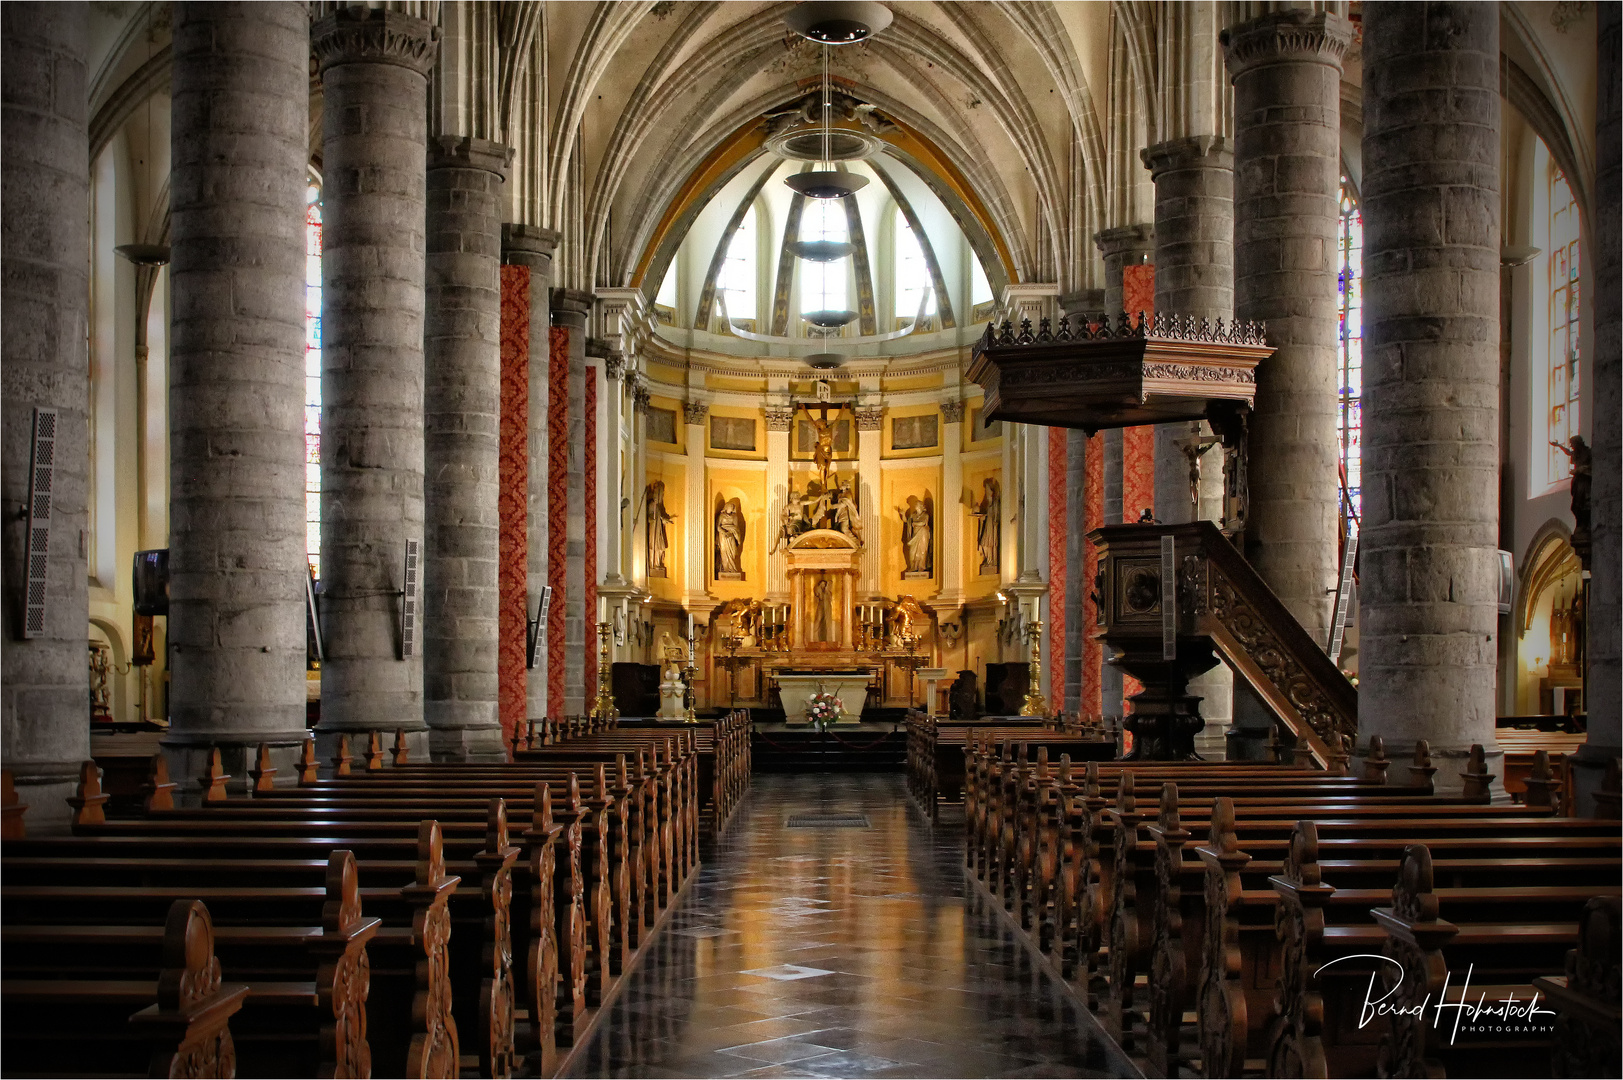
(1220, 611)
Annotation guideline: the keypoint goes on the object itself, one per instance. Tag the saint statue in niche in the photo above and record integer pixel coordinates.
(916, 536)
(823, 626)
(988, 526)
(659, 537)
(729, 541)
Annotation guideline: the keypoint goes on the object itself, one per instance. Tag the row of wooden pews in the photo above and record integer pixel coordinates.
(1212, 957)
(935, 749)
(720, 749)
(507, 943)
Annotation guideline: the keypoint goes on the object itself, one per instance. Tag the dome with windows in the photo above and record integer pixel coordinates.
(763, 270)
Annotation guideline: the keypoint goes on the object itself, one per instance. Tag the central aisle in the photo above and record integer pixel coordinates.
(841, 952)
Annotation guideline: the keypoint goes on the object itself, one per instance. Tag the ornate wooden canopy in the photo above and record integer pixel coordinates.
(1087, 375)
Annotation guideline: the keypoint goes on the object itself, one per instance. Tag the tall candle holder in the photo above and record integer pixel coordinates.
(603, 706)
(688, 696)
(1035, 704)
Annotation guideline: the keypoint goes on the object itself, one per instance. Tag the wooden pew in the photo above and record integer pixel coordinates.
(1492, 937)
(171, 1019)
(303, 1013)
(410, 1005)
(1326, 889)
(1585, 998)
(481, 954)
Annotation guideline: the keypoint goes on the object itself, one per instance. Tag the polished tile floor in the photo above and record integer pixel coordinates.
(825, 951)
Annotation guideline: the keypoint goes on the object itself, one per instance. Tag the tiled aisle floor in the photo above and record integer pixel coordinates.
(841, 952)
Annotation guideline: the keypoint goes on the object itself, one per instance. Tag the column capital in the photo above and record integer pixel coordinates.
(952, 412)
(694, 412)
(869, 417)
(467, 152)
(570, 308)
(1126, 239)
(780, 417)
(363, 35)
(1295, 36)
(1192, 152)
(528, 245)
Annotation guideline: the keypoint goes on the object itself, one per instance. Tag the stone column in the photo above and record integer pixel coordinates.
(1601, 680)
(462, 366)
(1286, 69)
(1429, 585)
(374, 71)
(1110, 676)
(1194, 276)
(779, 421)
(236, 384)
(569, 310)
(694, 515)
(1127, 245)
(610, 456)
(531, 246)
(870, 424)
(44, 364)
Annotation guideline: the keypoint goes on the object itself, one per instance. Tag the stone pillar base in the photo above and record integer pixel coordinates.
(466, 744)
(188, 757)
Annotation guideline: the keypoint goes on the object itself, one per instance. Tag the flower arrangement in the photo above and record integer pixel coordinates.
(823, 709)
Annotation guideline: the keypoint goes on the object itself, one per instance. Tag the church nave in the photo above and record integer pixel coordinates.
(840, 951)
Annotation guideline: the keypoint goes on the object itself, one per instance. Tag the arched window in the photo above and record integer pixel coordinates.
(913, 283)
(1561, 373)
(737, 277)
(312, 378)
(1350, 381)
(822, 284)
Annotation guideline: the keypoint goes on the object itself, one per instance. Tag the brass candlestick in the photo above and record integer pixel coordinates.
(688, 697)
(732, 642)
(1036, 704)
(603, 707)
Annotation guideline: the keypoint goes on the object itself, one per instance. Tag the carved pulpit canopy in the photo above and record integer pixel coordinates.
(1089, 375)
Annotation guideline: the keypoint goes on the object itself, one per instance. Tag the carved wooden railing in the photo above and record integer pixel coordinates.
(1262, 640)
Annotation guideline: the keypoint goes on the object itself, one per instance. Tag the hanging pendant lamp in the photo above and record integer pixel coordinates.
(826, 183)
(838, 22)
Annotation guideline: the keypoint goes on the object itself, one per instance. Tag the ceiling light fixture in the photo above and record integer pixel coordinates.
(838, 22)
(826, 361)
(819, 250)
(827, 183)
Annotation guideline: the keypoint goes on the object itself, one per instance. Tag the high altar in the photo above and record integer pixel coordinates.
(826, 627)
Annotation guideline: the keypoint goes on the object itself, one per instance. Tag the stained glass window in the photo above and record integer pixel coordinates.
(1562, 369)
(312, 378)
(1349, 420)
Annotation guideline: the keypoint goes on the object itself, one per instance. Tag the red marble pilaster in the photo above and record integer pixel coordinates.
(592, 372)
(1137, 443)
(557, 509)
(1057, 505)
(1093, 502)
(512, 574)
